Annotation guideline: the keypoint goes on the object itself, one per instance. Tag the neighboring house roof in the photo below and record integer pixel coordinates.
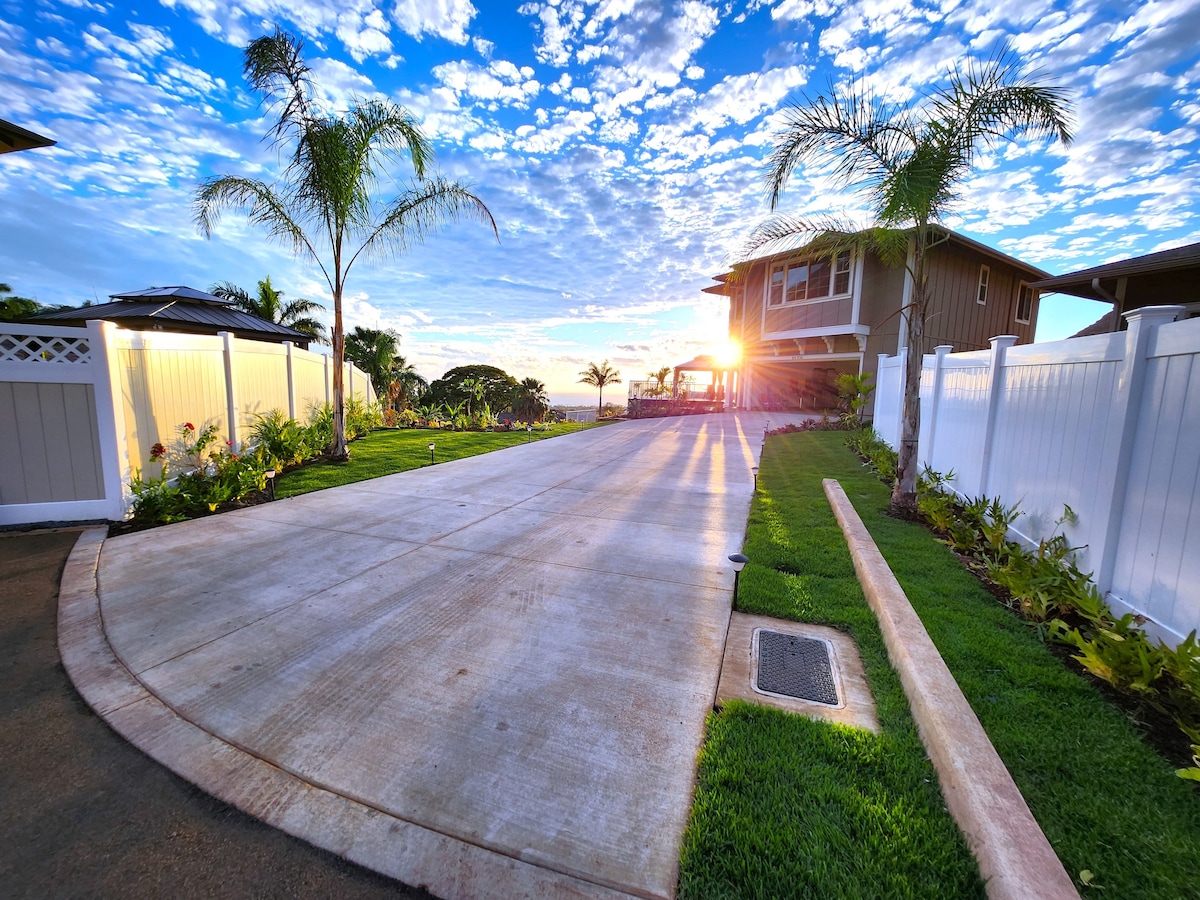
(14, 137)
(177, 308)
(1106, 324)
(723, 287)
(1079, 284)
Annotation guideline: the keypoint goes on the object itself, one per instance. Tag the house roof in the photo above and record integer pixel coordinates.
(178, 308)
(14, 137)
(723, 287)
(1079, 283)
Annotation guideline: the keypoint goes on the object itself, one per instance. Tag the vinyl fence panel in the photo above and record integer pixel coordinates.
(1107, 425)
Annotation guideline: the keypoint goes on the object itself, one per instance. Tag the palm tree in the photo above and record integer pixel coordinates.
(323, 206)
(660, 375)
(532, 402)
(599, 377)
(269, 304)
(910, 160)
(406, 383)
(375, 352)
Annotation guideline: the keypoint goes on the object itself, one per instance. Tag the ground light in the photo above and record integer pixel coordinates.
(739, 561)
(528, 433)
(270, 474)
(754, 471)
(431, 446)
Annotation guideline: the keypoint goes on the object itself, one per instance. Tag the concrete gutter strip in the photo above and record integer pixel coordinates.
(1015, 859)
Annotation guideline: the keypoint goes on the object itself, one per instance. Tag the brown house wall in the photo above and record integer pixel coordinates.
(821, 314)
(953, 317)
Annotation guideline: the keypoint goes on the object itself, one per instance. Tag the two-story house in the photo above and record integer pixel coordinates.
(802, 319)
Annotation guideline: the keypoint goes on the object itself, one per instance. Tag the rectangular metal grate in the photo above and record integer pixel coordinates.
(795, 667)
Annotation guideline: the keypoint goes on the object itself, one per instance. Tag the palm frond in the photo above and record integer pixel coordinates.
(421, 210)
(227, 290)
(783, 233)
(858, 139)
(274, 66)
(262, 205)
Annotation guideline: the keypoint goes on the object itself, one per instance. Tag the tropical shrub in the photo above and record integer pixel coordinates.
(285, 440)
(1048, 590)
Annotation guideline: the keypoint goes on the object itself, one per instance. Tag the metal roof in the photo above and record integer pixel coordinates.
(178, 292)
(187, 309)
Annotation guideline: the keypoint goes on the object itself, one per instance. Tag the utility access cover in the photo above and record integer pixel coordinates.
(794, 666)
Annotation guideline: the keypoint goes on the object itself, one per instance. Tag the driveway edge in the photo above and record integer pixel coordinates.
(1015, 858)
(417, 856)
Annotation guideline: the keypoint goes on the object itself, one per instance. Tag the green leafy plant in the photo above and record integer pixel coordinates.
(285, 440)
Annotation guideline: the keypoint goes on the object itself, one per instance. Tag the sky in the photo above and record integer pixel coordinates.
(618, 143)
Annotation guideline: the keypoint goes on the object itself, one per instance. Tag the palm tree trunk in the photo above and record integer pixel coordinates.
(600, 403)
(904, 492)
(338, 450)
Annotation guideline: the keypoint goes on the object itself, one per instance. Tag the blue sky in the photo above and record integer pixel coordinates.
(618, 144)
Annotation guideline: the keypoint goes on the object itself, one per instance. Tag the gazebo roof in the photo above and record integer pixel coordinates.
(178, 308)
(702, 363)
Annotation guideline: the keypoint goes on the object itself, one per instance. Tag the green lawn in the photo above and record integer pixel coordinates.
(389, 451)
(790, 807)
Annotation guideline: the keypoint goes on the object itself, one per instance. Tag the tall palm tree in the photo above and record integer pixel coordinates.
(269, 304)
(600, 376)
(375, 352)
(532, 402)
(910, 161)
(323, 205)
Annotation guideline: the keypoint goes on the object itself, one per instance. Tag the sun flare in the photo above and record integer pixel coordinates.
(729, 354)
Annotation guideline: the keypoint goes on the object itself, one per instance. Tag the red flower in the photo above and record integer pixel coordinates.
(158, 451)
(229, 443)
(188, 426)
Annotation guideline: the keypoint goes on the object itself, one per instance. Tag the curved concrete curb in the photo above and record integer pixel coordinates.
(360, 833)
(1015, 859)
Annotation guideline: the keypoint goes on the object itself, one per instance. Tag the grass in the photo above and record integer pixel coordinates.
(389, 451)
(1108, 803)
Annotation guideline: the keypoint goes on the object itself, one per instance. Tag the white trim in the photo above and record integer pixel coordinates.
(801, 333)
(1023, 286)
(795, 357)
(857, 273)
(984, 283)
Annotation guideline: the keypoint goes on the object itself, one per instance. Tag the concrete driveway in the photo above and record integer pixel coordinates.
(488, 677)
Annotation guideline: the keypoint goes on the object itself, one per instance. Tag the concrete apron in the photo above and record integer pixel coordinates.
(487, 677)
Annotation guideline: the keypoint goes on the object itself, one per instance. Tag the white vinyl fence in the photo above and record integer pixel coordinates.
(1108, 425)
(80, 408)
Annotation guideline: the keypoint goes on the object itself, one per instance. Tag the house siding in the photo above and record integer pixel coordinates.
(954, 317)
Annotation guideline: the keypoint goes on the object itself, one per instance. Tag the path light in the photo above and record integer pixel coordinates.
(431, 446)
(528, 433)
(270, 473)
(739, 561)
(754, 470)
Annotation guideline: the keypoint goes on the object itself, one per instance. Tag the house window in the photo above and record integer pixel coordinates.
(809, 279)
(1024, 303)
(775, 286)
(981, 295)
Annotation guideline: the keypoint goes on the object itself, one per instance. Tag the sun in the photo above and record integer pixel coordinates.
(729, 354)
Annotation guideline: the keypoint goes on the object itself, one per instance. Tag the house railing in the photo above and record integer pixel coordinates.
(648, 399)
(80, 408)
(1108, 425)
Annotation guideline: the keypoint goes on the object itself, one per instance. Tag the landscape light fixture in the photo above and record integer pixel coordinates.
(270, 473)
(431, 446)
(754, 470)
(528, 432)
(739, 561)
